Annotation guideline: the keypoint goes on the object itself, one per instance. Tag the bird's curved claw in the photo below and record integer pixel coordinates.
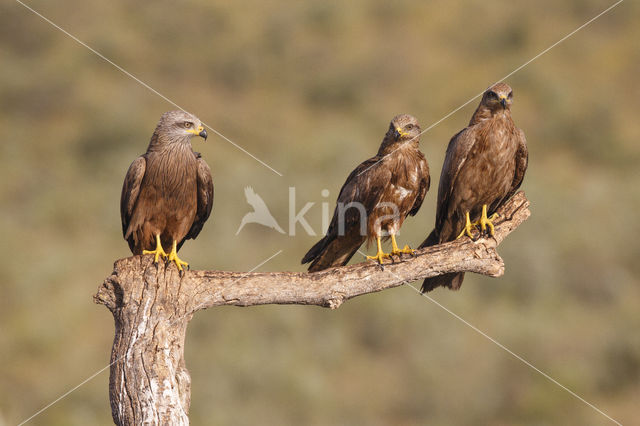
(173, 257)
(487, 222)
(179, 263)
(468, 227)
(159, 251)
(395, 250)
(380, 256)
(406, 250)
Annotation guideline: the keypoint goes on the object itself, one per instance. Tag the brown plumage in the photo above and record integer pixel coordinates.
(484, 165)
(168, 191)
(376, 198)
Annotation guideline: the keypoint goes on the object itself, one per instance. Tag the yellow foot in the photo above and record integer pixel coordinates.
(158, 251)
(395, 250)
(173, 257)
(380, 255)
(468, 227)
(485, 221)
(405, 250)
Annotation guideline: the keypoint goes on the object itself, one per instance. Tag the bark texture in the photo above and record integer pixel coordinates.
(152, 305)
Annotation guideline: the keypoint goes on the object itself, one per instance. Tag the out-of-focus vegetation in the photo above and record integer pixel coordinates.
(309, 87)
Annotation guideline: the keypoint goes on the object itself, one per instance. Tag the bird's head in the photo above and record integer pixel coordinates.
(404, 127)
(180, 126)
(498, 97)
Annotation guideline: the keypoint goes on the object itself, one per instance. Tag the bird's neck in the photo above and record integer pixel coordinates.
(160, 143)
(484, 113)
(389, 146)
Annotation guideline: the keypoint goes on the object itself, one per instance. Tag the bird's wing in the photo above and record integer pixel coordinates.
(130, 191)
(425, 183)
(365, 185)
(522, 161)
(459, 148)
(205, 197)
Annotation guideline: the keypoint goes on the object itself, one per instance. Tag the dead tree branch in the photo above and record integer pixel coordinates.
(152, 305)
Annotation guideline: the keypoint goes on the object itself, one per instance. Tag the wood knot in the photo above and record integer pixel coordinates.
(110, 293)
(335, 300)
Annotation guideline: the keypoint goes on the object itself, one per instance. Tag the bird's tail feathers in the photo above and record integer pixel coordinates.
(330, 259)
(315, 251)
(331, 252)
(431, 240)
(452, 281)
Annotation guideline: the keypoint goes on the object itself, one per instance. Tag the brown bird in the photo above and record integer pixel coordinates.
(168, 191)
(484, 166)
(376, 198)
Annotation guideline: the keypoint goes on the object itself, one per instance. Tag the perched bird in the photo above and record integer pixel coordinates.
(260, 213)
(376, 198)
(168, 191)
(484, 166)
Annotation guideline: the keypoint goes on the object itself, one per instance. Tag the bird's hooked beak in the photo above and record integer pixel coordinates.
(503, 101)
(398, 133)
(202, 133)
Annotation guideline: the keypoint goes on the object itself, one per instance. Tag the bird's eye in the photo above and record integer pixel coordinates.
(492, 95)
(409, 126)
(510, 95)
(187, 124)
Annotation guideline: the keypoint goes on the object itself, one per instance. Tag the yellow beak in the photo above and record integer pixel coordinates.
(200, 131)
(400, 133)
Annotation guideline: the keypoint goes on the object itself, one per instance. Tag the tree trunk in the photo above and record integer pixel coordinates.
(149, 383)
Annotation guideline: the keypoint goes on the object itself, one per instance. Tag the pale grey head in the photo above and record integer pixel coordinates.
(178, 127)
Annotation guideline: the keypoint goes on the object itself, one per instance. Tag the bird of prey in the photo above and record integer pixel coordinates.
(168, 191)
(260, 213)
(376, 198)
(484, 166)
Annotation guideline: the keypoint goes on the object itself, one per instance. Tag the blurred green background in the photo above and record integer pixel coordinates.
(310, 87)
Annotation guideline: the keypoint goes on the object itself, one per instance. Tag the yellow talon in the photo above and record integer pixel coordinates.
(380, 255)
(158, 251)
(396, 250)
(487, 221)
(468, 227)
(173, 256)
